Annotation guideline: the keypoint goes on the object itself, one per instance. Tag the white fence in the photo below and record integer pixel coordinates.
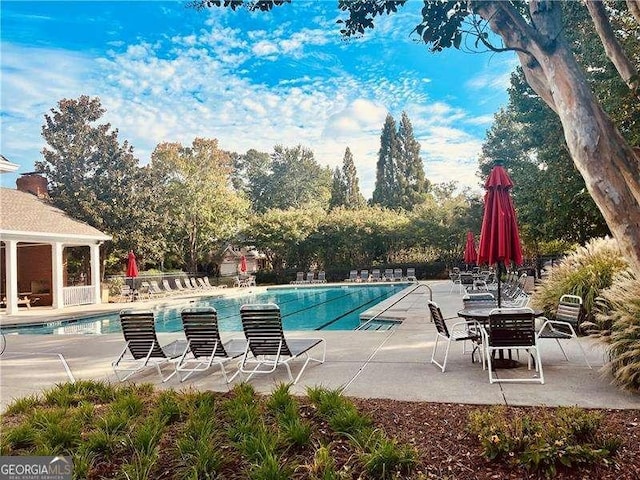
(78, 295)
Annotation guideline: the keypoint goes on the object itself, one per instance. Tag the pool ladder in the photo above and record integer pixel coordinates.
(381, 324)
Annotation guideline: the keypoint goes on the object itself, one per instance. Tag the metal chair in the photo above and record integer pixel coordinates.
(565, 324)
(267, 345)
(459, 332)
(512, 329)
(205, 345)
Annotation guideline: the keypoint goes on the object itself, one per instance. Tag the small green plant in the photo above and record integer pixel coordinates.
(260, 444)
(295, 431)
(23, 405)
(146, 435)
(17, 438)
(280, 399)
(140, 466)
(326, 401)
(385, 458)
(168, 407)
(200, 456)
(346, 419)
(323, 466)
(270, 468)
(57, 430)
(541, 442)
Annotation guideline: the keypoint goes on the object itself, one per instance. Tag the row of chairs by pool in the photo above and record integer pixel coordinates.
(263, 349)
(152, 289)
(390, 275)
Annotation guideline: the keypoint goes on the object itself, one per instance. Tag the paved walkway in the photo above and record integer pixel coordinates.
(380, 364)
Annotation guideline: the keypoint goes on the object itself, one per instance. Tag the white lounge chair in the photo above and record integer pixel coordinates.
(204, 346)
(143, 347)
(267, 345)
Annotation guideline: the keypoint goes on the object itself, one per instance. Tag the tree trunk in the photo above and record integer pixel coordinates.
(634, 9)
(605, 160)
(612, 47)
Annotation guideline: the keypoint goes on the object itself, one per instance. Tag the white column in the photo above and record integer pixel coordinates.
(57, 275)
(11, 268)
(95, 272)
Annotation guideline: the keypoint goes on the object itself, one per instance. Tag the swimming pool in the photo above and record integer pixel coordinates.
(315, 308)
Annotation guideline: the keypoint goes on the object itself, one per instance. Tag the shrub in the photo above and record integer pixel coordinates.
(544, 441)
(585, 272)
(618, 318)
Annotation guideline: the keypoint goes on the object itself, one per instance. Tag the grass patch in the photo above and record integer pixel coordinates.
(135, 432)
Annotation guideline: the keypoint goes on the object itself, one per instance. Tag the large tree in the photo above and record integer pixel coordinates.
(412, 185)
(202, 209)
(96, 179)
(385, 192)
(345, 190)
(534, 30)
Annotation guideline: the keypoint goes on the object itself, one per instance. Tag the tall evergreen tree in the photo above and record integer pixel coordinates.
(412, 185)
(338, 190)
(353, 197)
(385, 192)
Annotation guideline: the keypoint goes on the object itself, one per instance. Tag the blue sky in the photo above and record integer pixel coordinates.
(252, 80)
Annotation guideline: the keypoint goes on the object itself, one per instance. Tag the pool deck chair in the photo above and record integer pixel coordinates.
(142, 346)
(565, 325)
(512, 329)
(204, 346)
(267, 348)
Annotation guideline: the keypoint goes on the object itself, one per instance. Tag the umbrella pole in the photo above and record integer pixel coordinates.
(499, 278)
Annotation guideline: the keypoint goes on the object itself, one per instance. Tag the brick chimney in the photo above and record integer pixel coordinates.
(33, 183)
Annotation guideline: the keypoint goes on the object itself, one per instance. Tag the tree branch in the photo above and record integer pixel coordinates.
(634, 9)
(612, 47)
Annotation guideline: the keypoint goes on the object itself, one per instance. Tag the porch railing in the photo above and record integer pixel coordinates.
(78, 295)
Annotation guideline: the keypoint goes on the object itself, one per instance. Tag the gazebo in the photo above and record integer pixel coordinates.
(34, 236)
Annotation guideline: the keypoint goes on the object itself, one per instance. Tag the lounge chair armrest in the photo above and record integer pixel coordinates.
(551, 323)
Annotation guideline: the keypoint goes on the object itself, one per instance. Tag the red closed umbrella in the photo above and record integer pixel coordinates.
(470, 252)
(243, 264)
(499, 237)
(132, 267)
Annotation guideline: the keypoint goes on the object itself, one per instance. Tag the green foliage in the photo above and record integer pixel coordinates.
(618, 318)
(270, 468)
(199, 451)
(71, 394)
(22, 405)
(542, 442)
(94, 178)
(345, 191)
(385, 458)
(585, 272)
(204, 212)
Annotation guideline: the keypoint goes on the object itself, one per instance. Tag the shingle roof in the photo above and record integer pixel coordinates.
(24, 212)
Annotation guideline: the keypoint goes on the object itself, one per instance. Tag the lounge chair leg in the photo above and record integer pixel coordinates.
(563, 352)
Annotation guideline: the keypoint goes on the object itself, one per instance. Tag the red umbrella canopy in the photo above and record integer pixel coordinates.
(499, 237)
(243, 264)
(132, 266)
(470, 252)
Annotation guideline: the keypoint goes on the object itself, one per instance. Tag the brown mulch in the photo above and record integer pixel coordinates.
(446, 449)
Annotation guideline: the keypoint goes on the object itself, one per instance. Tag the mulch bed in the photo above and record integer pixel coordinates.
(448, 451)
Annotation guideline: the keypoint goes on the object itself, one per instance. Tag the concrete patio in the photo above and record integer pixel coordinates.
(390, 364)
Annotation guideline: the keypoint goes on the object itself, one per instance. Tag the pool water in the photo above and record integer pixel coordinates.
(317, 308)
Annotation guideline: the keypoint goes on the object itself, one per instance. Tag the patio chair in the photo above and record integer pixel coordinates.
(466, 281)
(208, 284)
(142, 345)
(375, 275)
(353, 276)
(126, 294)
(167, 287)
(565, 324)
(388, 275)
(459, 332)
(411, 275)
(201, 284)
(155, 290)
(204, 346)
(299, 278)
(309, 278)
(322, 277)
(267, 345)
(178, 284)
(512, 329)
(455, 279)
(364, 275)
(194, 284)
(397, 275)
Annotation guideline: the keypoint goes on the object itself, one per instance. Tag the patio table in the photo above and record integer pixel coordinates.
(481, 315)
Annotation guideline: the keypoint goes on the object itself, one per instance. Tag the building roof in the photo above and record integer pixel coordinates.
(6, 165)
(25, 215)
